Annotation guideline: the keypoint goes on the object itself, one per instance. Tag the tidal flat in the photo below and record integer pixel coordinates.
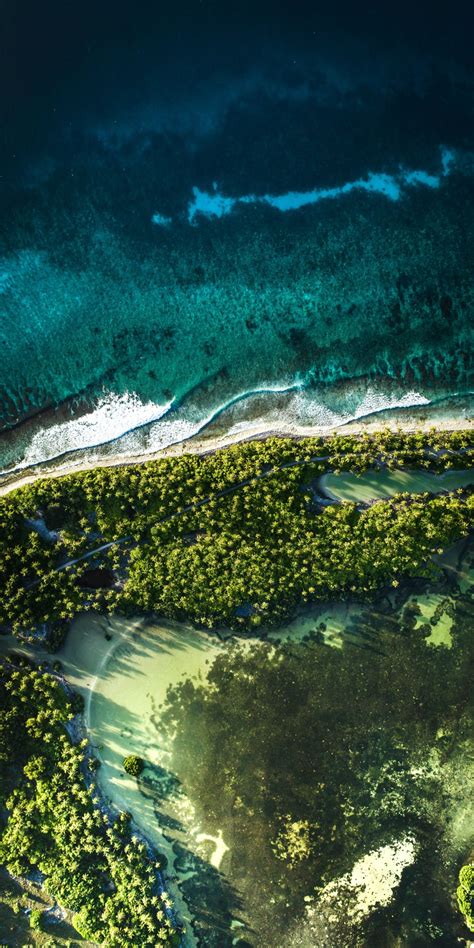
(302, 794)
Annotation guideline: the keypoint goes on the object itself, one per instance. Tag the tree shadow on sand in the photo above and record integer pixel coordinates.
(212, 901)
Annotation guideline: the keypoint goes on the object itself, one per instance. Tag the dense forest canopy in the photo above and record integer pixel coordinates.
(241, 538)
(88, 857)
(236, 537)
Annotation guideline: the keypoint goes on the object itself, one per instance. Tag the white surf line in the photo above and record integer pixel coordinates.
(113, 417)
(117, 416)
(375, 405)
(214, 204)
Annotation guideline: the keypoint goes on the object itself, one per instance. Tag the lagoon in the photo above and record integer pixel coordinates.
(277, 758)
(377, 485)
(197, 707)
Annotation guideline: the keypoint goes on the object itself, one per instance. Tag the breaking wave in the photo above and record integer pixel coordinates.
(126, 426)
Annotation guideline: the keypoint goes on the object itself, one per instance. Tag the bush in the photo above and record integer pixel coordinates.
(465, 894)
(201, 538)
(36, 920)
(77, 703)
(56, 636)
(133, 765)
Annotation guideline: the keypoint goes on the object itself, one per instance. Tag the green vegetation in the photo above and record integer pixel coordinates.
(235, 538)
(465, 894)
(251, 546)
(36, 920)
(17, 900)
(133, 765)
(90, 862)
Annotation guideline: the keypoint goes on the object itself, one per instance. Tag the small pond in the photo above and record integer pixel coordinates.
(375, 485)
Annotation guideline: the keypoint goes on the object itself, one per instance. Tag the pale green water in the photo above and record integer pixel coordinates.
(125, 669)
(184, 802)
(375, 485)
(124, 681)
(434, 609)
(327, 623)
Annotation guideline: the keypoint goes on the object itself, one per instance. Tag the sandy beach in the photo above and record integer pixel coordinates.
(202, 445)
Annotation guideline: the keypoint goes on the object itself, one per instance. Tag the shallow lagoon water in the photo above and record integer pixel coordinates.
(220, 872)
(125, 669)
(200, 244)
(376, 485)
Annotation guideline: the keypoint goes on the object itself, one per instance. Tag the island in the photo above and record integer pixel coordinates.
(234, 692)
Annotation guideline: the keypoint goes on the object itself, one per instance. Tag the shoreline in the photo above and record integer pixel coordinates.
(87, 657)
(203, 446)
(84, 676)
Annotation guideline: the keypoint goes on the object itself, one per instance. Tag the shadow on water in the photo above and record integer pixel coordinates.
(383, 662)
(112, 719)
(146, 641)
(136, 663)
(365, 645)
(212, 900)
(123, 657)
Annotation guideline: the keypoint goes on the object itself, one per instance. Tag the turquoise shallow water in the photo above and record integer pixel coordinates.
(208, 315)
(184, 240)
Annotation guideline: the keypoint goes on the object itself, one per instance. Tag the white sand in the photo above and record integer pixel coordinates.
(202, 445)
(372, 881)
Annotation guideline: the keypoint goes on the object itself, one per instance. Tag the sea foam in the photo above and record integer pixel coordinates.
(112, 417)
(137, 428)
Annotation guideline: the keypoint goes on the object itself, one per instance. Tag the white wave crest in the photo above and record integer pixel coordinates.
(113, 416)
(311, 409)
(185, 423)
(376, 401)
(141, 429)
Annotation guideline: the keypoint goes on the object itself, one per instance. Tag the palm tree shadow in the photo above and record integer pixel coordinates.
(212, 900)
(214, 903)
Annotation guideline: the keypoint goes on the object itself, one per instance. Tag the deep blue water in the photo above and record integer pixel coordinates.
(211, 201)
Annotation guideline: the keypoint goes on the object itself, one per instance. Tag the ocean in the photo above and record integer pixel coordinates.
(219, 218)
